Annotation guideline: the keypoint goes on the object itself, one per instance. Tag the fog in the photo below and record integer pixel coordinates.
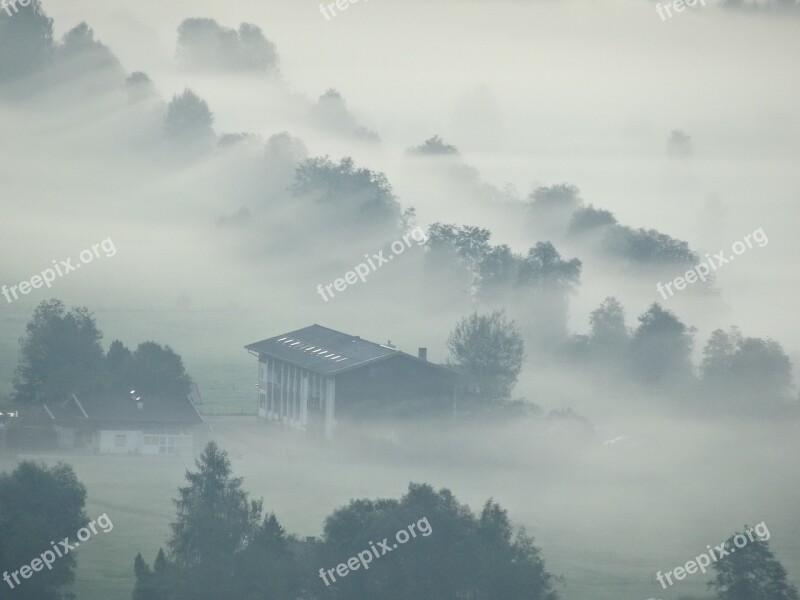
(216, 247)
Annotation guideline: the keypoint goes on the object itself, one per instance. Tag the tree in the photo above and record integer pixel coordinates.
(648, 246)
(155, 370)
(609, 337)
(746, 368)
(717, 354)
(499, 268)
(549, 280)
(455, 554)
(331, 114)
(679, 144)
(463, 260)
(268, 567)
(282, 154)
(39, 504)
(460, 253)
(589, 218)
(434, 146)
(489, 348)
(189, 120)
(219, 547)
(661, 347)
(60, 354)
(215, 522)
(144, 588)
(256, 51)
(762, 368)
(80, 52)
(118, 366)
(544, 269)
(160, 583)
(551, 207)
(355, 197)
(562, 197)
(26, 39)
(139, 86)
(204, 44)
(752, 573)
(512, 565)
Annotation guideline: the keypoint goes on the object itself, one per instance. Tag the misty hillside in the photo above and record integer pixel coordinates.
(523, 269)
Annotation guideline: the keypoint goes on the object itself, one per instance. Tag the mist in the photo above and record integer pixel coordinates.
(240, 165)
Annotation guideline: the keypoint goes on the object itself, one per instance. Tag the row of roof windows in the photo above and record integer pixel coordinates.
(321, 352)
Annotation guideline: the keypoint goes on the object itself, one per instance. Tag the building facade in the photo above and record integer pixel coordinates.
(310, 377)
(117, 424)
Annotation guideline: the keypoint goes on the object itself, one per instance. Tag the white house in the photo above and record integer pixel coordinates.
(119, 424)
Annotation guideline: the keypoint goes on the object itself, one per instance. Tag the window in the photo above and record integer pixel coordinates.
(121, 440)
(174, 444)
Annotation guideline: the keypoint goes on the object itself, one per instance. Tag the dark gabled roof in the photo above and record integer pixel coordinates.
(122, 408)
(326, 351)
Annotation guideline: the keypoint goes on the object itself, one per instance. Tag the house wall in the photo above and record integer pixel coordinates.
(397, 386)
(170, 443)
(307, 401)
(150, 441)
(119, 441)
(329, 404)
(295, 397)
(66, 436)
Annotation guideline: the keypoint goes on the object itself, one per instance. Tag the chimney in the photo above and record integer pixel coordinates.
(423, 354)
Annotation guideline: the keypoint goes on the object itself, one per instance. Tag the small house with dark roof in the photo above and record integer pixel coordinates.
(121, 424)
(311, 377)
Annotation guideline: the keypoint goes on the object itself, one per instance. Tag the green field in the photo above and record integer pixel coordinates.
(636, 522)
(304, 483)
(138, 506)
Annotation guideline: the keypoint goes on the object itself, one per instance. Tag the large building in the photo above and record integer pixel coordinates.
(309, 378)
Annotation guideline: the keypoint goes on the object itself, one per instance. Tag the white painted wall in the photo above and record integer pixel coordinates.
(330, 399)
(132, 442)
(168, 444)
(146, 443)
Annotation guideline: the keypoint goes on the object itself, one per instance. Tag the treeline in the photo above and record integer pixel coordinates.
(223, 545)
(61, 354)
(736, 372)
